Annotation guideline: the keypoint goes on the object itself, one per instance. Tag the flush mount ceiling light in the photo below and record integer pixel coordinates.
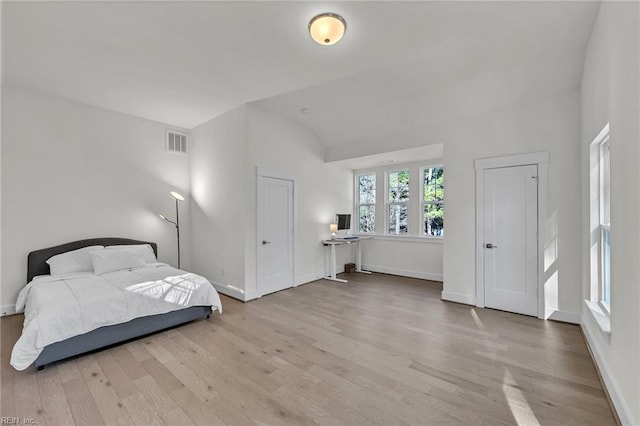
(327, 28)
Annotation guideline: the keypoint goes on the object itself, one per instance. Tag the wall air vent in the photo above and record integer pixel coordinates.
(176, 142)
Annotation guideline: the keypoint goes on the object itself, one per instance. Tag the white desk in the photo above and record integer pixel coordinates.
(339, 242)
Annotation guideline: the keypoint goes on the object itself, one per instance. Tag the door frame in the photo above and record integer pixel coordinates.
(260, 173)
(541, 159)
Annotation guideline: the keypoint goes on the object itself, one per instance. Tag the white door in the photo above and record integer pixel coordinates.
(275, 234)
(510, 239)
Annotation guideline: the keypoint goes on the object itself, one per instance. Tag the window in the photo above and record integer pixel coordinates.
(384, 193)
(433, 201)
(398, 207)
(604, 295)
(366, 206)
(600, 223)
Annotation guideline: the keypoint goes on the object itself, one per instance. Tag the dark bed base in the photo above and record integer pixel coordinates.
(109, 335)
(112, 334)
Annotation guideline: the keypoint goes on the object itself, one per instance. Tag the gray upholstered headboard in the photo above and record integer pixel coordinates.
(37, 260)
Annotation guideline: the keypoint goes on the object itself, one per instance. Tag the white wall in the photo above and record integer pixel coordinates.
(218, 151)
(610, 93)
(410, 257)
(71, 171)
(225, 154)
(552, 125)
(322, 190)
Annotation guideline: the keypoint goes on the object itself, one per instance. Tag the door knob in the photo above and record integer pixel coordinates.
(490, 246)
(264, 242)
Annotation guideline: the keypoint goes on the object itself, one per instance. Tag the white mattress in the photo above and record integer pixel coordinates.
(59, 307)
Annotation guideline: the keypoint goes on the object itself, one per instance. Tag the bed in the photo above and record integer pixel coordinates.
(68, 314)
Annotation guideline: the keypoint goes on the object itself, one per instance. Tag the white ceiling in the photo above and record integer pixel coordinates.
(427, 152)
(400, 64)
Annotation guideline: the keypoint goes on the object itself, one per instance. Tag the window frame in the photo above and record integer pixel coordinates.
(599, 229)
(424, 203)
(602, 270)
(356, 186)
(414, 206)
(604, 212)
(388, 204)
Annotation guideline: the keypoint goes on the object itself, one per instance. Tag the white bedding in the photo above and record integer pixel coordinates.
(59, 307)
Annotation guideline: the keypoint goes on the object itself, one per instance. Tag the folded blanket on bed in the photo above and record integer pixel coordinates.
(59, 307)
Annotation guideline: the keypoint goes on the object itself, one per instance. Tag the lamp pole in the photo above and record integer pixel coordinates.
(178, 197)
(178, 231)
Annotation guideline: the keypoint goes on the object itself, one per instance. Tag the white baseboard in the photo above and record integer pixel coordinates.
(235, 292)
(565, 316)
(458, 298)
(228, 290)
(622, 409)
(251, 295)
(7, 310)
(403, 272)
(308, 278)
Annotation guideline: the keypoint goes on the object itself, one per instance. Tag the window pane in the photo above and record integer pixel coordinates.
(605, 220)
(399, 186)
(398, 214)
(606, 183)
(599, 218)
(606, 266)
(367, 190)
(433, 181)
(393, 180)
(367, 219)
(434, 220)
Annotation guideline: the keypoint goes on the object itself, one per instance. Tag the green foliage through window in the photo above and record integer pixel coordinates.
(366, 203)
(398, 202)
(396, 196)
(433, 201)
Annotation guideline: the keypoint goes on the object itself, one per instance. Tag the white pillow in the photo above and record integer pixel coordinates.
(145, 251)
(115, 260)
(72, 261)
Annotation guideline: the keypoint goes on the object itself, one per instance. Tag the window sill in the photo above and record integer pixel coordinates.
(407, 238)
(601, 318)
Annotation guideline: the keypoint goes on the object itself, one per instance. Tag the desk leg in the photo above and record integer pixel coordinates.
(333, 261)
(359, 261)
(333, 276)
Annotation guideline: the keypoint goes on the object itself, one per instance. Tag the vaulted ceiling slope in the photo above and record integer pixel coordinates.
(401, 64)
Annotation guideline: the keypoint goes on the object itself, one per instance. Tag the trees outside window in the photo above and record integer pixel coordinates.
(433, 201)
(398, 198)
(366, 206)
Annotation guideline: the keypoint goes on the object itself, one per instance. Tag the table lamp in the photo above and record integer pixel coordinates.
(333, 228)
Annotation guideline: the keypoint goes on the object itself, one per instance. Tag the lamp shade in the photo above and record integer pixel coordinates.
(177, 196)
(327, 28)
(333, 227)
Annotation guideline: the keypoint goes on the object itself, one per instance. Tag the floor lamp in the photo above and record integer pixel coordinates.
(178, 197)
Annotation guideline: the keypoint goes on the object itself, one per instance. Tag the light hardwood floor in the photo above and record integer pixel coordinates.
(378, 350)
